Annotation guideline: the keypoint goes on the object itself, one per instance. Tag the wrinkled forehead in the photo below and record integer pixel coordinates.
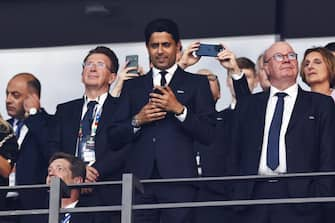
(279, 47)
(60, 163)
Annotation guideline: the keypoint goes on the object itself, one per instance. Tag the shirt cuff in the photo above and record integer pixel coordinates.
(181, 117)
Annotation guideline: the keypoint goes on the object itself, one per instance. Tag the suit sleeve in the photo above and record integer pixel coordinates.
(241, 87)
(197, 122)
(326, 185)
(121, 131)
(39, 126)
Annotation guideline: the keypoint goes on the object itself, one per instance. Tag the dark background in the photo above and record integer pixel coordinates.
(41, 23)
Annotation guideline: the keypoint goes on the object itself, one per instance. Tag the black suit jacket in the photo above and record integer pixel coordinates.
(93, 217)
(65, 134)
(109, 159)
(309, 140)
(167, 142)
(33, 157)
(214, 158)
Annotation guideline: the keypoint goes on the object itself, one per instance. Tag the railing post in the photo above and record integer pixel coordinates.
(54, 199)
(127, 198)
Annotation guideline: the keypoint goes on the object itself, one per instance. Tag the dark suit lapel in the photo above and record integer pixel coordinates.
(300, 107)
(107, 112)
(177, 80)
(148, 82)
(261, 110)
(74, 123)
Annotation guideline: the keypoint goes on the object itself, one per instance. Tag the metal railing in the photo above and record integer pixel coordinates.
(130, 183)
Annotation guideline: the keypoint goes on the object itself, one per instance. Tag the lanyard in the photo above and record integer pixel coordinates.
(94, 126)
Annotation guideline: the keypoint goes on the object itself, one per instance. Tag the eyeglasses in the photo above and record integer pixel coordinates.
(98, 64)
(280, 57)
(212, 77)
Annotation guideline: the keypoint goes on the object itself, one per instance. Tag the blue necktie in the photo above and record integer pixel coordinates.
(88, 118)
(66, 218)
(19, 125)
(163, 80)
(272, 158)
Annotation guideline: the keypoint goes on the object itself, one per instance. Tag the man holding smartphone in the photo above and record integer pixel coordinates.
(163, 126)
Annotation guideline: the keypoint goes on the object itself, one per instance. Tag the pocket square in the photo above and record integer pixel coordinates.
(311, 117)
(180, 92)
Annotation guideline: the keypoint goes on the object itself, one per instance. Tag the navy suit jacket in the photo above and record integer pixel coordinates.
(310, 142)
(214, 158)
(168, 142)
(33, 156)
(109, 159)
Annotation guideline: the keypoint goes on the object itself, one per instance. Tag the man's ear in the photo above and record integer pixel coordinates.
(112, 78)
(179, 46)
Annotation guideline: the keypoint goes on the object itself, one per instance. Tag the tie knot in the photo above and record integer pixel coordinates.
(19, 125)
(163, 72)
(281, 94)
(91, 104)
(163, 80)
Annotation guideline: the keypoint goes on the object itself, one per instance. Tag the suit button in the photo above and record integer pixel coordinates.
(153, 139)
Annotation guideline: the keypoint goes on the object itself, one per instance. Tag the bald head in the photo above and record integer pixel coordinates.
(32, 82)
(19, 88)
(281, 65)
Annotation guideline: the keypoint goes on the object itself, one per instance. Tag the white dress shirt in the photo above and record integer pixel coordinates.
(97, 109)
(289, 102)
(156, 76)
(100, 102)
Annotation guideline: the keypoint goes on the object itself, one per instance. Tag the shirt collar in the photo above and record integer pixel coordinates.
(290, 91)
(100, 99)
(72, 205)
(170, 70)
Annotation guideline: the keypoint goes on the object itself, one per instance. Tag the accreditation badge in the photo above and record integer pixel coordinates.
(88, 151)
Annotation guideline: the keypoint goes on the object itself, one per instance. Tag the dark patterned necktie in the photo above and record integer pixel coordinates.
(163, 80)
(88, 118)
(272, 158)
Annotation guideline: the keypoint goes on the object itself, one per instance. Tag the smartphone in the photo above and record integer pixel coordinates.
(132, 61)
(210, 50)
(157, 91)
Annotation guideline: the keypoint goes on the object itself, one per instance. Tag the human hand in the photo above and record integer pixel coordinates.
(228, 60)
(188, 58)
(167, 100)
(150, 113)
(31, 101)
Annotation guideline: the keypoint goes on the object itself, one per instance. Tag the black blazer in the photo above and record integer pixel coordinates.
(310, 142)
(33, 157)
(167, 142)
(110, 160)
(65, 134)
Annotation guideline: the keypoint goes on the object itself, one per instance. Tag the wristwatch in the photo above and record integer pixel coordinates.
(32, 111)
(135, 122)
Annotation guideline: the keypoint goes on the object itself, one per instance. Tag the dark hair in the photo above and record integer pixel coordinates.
(109, 53)
(330, 46)
(329, 60)
(246, 63)
(77, 166)
(33, 83)
(161, 25)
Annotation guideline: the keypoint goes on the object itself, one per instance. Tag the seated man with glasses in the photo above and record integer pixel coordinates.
(283, 130)
(81, 126)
